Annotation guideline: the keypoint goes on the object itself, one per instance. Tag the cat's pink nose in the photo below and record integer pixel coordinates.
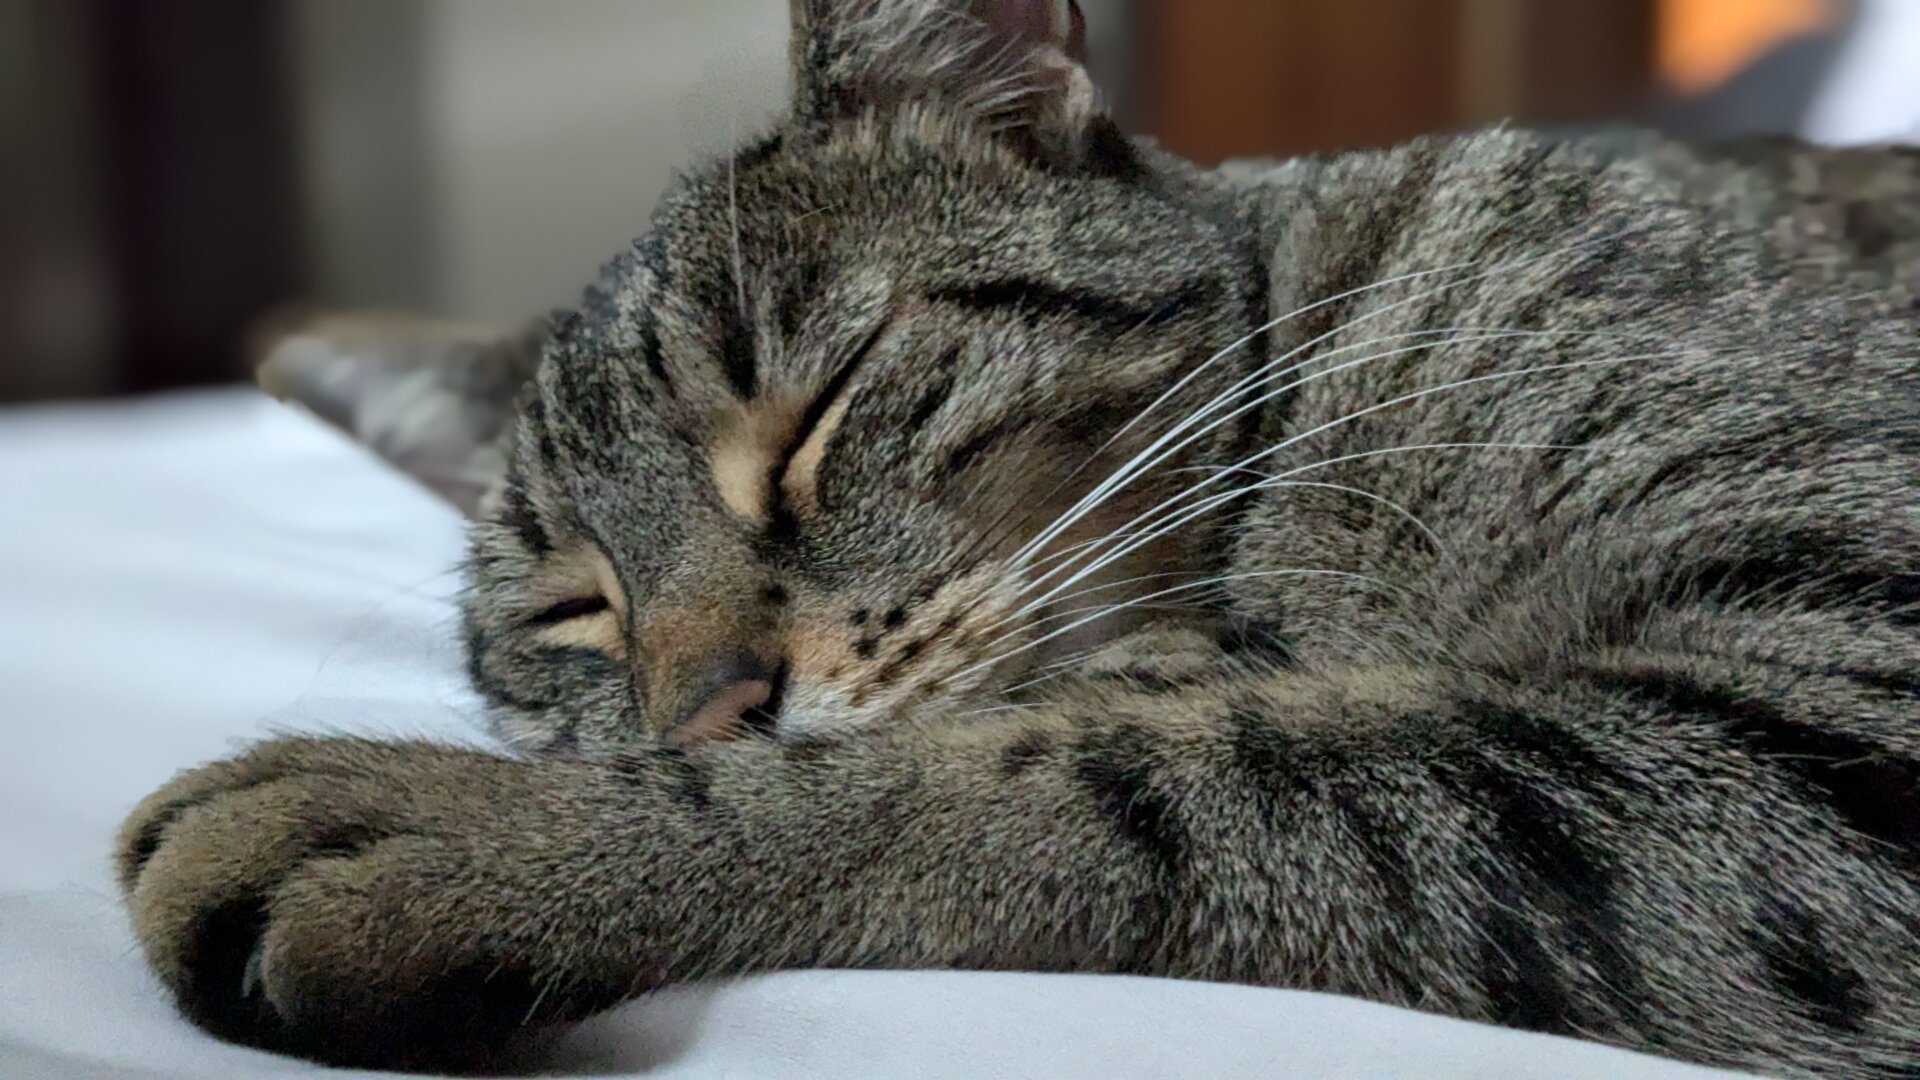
(740, 696)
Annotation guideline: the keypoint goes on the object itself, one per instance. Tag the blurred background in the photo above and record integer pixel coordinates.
(172, 169)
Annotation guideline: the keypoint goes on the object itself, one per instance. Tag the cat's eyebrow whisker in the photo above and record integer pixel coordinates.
(1122, 475)
(1216, 500)
(733, 211)
(1103, 612)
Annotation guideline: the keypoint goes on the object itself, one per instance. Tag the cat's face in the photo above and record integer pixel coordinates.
(784, 466)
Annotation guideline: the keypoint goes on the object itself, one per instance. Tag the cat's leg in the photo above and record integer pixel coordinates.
(1655, 853)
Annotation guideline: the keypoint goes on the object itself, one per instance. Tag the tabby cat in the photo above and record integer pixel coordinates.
(1481, 576)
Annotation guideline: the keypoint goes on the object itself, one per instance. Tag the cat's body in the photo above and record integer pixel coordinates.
(1533, 636)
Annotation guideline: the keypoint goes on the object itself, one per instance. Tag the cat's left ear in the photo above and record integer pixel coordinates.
(436, 400)
(1016, 67)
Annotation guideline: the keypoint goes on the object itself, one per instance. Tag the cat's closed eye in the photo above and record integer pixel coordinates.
(569, 610)
(586, 612)
(799, 471)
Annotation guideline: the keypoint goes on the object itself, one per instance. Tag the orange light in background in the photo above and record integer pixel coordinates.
(1702, 42)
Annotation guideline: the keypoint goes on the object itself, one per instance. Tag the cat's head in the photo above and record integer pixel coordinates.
(788, 462)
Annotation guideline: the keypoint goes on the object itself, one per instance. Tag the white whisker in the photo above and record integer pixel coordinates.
(1217, 500)
(1124, 474)
(1241, 343)
(1278, 480)
(1464, 336)
(733, 212)
(1138, 601)
(1270, 395)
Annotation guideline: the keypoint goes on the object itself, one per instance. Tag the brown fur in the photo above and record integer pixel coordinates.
(1547, 659)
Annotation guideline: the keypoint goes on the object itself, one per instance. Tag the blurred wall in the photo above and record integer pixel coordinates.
(175, 167)
(480, 158)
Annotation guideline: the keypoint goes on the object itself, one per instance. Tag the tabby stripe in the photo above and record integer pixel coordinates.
(758, 153)
(1801, 565)
(517, 513)
(1890, 683)
(737, 360)
(1567, 878)
(1557, 750)
(1686, 467)
(1517, 975)
(1874, 791)
(534, 416)
(489, 687)
(935, 395)
(1387, 861)
(1872, 237)
(650, 352)
(1270, 760)
(1038, 299)
(1024, 753)
(1113, 767)
(1791, 940)
(963, 455)
(687, 780)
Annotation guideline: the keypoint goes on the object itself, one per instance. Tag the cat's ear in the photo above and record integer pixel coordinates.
(434, 399)
(1016, 66)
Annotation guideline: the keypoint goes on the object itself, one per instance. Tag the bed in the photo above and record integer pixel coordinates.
(183, 573)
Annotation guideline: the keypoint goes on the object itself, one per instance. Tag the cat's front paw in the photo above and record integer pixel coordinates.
(343, 900)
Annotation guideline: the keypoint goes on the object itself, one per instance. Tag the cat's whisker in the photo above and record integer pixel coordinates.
(1090, 591)
(1027, 554)
(733, 212)
(1413, 447)
(1121, 476)
(1143, 461)
(1275, 481)
(1425, 530)
(1462, 336)
(1213, 501)
(1236, 345)
(1270, 395)
(1011, 707)
(1063, 667)
(1139, 601)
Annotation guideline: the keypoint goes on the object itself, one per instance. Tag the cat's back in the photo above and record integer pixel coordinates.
(1609, 368)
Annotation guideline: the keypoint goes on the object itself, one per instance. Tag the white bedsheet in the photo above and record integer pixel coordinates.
(179, 574)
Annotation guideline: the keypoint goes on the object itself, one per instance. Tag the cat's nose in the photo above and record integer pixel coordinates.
(739, 695)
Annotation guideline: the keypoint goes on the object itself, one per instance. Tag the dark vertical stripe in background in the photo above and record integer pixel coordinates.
(198, 180)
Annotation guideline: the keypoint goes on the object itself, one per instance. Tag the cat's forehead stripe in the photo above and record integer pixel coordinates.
(744, 455)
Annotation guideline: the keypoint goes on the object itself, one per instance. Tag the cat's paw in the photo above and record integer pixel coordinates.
(341, 900)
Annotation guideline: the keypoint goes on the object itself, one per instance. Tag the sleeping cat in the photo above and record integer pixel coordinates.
(1481, 576)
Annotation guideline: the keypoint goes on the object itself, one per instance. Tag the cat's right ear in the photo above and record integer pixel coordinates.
(434, 399)
(1016, 68)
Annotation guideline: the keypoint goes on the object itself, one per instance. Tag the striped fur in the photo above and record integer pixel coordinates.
(1564, 675)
